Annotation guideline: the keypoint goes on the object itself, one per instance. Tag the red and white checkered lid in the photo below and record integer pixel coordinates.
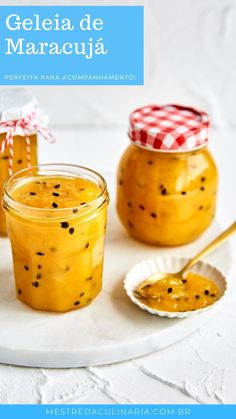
(169, 128)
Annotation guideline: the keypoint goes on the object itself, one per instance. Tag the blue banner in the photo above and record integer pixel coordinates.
(118, 411)
(70, 45)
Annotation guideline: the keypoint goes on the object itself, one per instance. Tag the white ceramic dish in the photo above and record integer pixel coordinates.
(143, 270)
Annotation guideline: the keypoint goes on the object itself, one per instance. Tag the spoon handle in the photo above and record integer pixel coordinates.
(210, 247)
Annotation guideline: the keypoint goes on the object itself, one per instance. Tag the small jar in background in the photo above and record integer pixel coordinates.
(20, 122)
(167, 178)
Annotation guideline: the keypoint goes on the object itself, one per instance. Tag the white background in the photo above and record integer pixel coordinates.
(190, 58)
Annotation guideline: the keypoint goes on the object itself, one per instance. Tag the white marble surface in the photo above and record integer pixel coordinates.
(199, 369)
(112, 329)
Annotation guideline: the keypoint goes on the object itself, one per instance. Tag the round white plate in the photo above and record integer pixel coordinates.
(112, 329)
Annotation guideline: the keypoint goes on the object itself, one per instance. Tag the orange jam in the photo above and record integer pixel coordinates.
(166, 199)
(56, 192)
(173, 294)
(56, 225)
(19, 162)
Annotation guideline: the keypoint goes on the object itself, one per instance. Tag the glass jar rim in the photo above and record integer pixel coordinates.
(55, 169)
(161, 151)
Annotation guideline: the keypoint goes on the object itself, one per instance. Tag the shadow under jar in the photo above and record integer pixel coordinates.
(167, 178)
(56, 221)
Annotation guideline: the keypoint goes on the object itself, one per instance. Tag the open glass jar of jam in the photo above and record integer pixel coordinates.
(20, 122)
(167, 178)
(56, 219)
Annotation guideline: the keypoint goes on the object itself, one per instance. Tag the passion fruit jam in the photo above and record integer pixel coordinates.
(176, 295)
(56, 224)
(165, 199)
(167, 179)
(19, 162)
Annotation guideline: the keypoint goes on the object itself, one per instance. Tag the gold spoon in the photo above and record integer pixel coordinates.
(140, 290)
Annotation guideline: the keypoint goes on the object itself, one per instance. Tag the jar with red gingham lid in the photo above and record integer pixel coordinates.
(167, 177)
(20, 121)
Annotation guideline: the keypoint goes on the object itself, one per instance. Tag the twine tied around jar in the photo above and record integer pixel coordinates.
(26, 126)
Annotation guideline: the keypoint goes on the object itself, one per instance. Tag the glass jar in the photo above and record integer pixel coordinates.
(20, 121)
(19, 162)
(166, 197)
(57, 251)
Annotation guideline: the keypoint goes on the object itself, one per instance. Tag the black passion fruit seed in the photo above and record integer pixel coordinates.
(54, 205)
(64, 224)
(71, 230)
